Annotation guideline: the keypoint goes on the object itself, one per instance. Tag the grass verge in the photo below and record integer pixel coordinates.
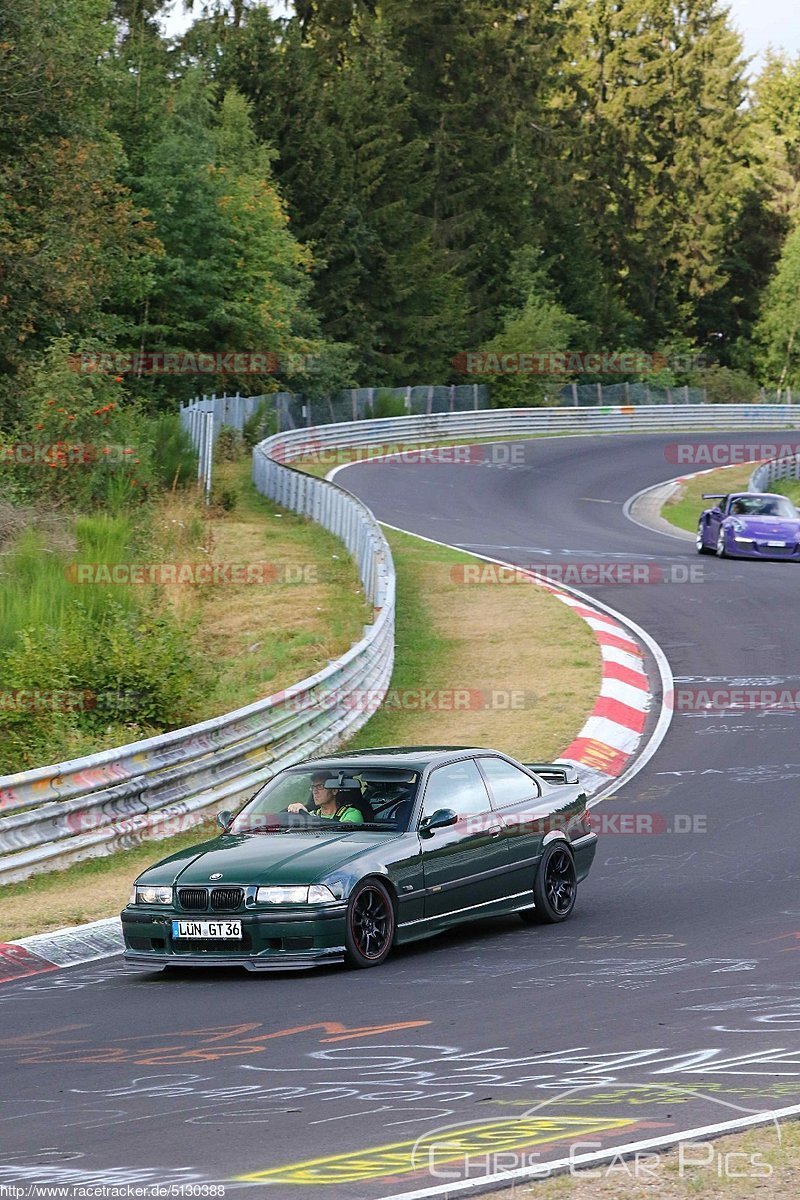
(788, 487)
(485, 664)
(740, 1166)
(684, 507)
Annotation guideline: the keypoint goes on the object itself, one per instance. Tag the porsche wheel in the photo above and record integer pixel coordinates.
(370, 925)
(555, 887)
(721, 551)
(699, 544)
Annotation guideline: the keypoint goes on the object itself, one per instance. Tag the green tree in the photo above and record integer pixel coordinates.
(355, 183)
(663, 157)
(776, 130)
(71, 241)
(482, 81)
(778, 330)
(541, 327)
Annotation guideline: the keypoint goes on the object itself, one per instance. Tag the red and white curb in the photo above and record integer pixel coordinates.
(615, 727)
(62, 948)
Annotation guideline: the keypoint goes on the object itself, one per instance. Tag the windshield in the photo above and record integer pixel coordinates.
(344, 797)
(763, 506)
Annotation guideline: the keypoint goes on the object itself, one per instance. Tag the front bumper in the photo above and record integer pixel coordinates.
(750, 548)
(271, 941)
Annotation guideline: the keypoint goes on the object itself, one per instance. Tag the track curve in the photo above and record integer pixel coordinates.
(669, 1002)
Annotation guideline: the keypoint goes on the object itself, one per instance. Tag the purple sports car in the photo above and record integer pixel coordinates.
(750, 525)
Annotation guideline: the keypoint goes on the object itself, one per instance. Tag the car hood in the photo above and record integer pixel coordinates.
(261, 858)
(766, 527)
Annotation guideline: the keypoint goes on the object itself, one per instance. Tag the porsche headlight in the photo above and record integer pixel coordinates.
(316, 894)
(152, 895)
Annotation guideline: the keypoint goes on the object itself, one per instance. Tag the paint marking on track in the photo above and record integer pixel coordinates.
(425, 1154)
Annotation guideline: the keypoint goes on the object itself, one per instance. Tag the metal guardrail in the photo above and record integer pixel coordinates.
(777, 468)
(55, 815)
(394, 434)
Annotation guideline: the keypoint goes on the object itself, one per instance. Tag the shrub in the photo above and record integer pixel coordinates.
(262, 424)
(726, 386)
(229, 446)
(113, 650)
(173, 457)
(84, 428)
(387, 404)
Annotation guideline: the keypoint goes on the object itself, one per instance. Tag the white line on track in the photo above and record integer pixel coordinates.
(560, 1166)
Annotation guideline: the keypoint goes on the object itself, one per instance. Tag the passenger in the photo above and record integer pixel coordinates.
(330, 803)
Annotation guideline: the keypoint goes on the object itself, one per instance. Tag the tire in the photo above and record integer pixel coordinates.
(700, 547)
(555, 887)
(721, 551)
(370, 925)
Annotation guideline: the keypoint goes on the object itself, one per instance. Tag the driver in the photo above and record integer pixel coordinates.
(327, 802)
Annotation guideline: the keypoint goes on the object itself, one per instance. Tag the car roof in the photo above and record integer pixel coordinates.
(414, 758)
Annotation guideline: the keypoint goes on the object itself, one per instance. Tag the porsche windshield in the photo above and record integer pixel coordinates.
(763, 506)
(345, 797)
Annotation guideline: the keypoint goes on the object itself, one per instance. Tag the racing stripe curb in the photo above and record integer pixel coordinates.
(62, 948)
(613, 730)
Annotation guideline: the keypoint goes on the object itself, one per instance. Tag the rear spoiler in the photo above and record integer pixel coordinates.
(554, 772)
(714, 495)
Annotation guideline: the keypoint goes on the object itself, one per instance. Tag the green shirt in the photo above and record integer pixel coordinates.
(345, 813)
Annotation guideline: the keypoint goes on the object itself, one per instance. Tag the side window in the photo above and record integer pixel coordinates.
(508, 784)
(458, 786)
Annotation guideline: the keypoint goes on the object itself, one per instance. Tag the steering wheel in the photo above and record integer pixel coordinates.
(296, 818)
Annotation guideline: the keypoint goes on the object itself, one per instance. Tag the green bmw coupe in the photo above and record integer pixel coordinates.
(341, 858)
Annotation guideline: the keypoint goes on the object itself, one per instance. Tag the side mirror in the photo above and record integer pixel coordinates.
(224, 819)
(438, 820)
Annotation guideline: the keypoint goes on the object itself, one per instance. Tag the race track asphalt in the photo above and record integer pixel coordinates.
(669, 1002)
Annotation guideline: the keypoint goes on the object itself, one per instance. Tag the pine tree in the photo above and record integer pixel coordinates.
(778, 330)
(335, 104)
(663, 161)
(776, 130)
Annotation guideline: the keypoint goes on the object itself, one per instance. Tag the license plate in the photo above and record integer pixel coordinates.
(781, 544)
(207, 929)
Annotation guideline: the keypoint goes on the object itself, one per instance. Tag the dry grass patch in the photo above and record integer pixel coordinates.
(759, 1166)
(500, 665)
(267, 635)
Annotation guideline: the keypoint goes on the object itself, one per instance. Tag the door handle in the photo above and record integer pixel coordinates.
(496, 830)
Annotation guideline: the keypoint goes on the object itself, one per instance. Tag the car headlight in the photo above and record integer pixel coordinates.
(316, 894)
(151, 895)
